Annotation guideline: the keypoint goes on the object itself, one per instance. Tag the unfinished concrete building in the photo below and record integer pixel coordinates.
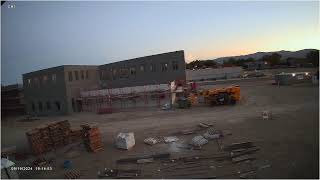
(139, 82)
(55, 91)
(149, 70)
(58, 90)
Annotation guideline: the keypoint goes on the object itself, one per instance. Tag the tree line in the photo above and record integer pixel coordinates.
(273, 59)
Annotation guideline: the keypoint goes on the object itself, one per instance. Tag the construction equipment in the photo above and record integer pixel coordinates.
(221, 96)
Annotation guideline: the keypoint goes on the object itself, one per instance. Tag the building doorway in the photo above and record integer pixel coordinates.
(73, 105)
(79, 105)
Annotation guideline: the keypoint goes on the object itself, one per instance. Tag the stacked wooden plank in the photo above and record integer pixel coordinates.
(36, 142)
(59, 133)
(45, 138)
(92, 138)
(75, 135)
(73, 174)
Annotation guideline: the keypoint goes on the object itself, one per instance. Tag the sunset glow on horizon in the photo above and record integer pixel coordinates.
(292, 41)
(37, 35)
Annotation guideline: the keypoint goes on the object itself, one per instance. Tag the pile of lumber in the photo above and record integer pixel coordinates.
(144, 157)
(120, 173)
(73, 174)
(241, 151)
(37, 142)
(92, 138)
(59, 133)
(75, 134)
(45, 138)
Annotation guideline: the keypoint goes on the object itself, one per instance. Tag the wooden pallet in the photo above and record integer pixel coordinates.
(73, 174)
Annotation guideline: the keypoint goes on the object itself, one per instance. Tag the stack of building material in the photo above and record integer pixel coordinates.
(36, 142)
(64, 126)
(75, 134)
(73, 174)
(59, 133)
(52, 136)
(46, 138)
(92, 138)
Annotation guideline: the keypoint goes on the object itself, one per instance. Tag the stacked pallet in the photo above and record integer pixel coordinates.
(45, 138)
(36, 142)
(92, 138)
(59, 133)
(73, 174)
(75, 135)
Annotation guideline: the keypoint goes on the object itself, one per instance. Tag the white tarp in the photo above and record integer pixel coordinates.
(6, 172)
(5, 163)
(125, 140)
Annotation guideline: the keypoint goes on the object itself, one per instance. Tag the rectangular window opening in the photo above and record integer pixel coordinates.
(76, 74)
(70, 76)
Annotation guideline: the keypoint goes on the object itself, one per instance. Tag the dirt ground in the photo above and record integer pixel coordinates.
(289, 143)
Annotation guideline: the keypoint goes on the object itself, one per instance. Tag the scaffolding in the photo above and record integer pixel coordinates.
(127, 97)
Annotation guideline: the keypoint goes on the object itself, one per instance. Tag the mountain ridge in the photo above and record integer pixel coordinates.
(258, 55)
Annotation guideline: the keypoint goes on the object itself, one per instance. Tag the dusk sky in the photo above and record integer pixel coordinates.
(37, 35)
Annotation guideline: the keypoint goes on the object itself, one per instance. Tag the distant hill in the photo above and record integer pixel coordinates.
(259, 55)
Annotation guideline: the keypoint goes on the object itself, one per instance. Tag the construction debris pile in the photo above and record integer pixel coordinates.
(195, 166)
(92, 138)
(73, 174)
(238, 156)
(120, 173)
(46, 138)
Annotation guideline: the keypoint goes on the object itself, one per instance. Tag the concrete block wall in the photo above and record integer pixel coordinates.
(213, 73)
(148, 70)
(75, 86)
(67, 92)
(50, 91)
(61, 90)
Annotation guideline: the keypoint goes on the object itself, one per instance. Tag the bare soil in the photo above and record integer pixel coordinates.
(289, 142)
